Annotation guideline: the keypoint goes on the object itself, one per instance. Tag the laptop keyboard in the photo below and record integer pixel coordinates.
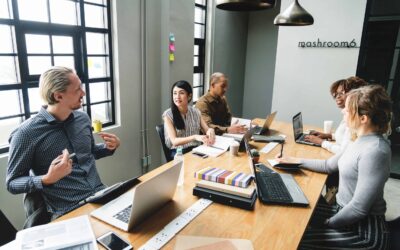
(124, 214)
(273, 188)
(257, 130)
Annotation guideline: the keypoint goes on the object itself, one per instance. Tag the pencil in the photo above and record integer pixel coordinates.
(280, 156)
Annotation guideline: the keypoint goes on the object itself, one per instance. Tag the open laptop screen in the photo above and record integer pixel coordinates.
(297, 125)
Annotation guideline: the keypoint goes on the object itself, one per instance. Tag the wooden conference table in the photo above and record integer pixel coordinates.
(267, 226)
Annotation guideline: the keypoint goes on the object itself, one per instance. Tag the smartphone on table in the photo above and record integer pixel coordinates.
(200, 154)
(112, 241)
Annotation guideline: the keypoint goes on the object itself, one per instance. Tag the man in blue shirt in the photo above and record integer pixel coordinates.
(40, 147)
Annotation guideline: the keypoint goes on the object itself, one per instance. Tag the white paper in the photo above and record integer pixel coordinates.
(237, 137)
(220, 145)
(63, 234)
(241, 121)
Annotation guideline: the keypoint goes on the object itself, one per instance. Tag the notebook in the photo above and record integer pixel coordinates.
(267, 124)
(132, 207)
(275, 188)
(298, 131)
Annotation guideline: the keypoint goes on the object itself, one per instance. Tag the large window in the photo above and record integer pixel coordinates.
(37, 34)
(199, 47)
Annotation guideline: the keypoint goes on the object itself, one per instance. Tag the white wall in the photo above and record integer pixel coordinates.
(303, 75)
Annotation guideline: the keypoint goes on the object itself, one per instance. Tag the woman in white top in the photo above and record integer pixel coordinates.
(183, 123)
(339, 90)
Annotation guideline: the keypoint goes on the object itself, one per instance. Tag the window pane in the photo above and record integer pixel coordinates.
(5, 9)
(199, 15)
(197, 93)
(95, 16)
(96, 43)
(34, 10)
(8, 70)
(196, 50)
(34, 99)
(7, 126)
(62, 44)
(13, 100)
(37, 43)
(97, 1)
(101, 112)
(202, 2)
(197, 79)
(7, 39)
(196, 61)
(99, 91)
(66, 61)
(38, 64)
(98, 67)
(198, 31)
(64, 12)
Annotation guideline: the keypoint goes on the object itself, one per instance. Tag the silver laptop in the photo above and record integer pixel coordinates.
(267, 124)
(298, 131)
(135, 205)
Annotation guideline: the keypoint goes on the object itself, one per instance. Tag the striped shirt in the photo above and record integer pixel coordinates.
(35, 144)
(192, 122)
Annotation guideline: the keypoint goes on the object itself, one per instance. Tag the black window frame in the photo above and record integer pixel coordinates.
(78, 34)
(201, 43)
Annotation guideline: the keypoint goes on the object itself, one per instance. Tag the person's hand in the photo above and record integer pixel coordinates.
(210, 136)
(237, 129)
(112, 141)
(313, 139)
(321, 135)
(201, 138)
(59, 168)
(286, 159)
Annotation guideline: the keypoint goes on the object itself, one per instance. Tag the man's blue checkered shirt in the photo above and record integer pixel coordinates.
(35, 144)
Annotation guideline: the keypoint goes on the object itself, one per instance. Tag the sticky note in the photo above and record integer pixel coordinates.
(171, 47)
(171, 37)
(171, 57)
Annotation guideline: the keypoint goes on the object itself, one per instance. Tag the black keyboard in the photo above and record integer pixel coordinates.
(124, 214)
(272, 188)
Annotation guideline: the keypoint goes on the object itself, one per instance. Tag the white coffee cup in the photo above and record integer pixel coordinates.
(328, 127)
(234, 148)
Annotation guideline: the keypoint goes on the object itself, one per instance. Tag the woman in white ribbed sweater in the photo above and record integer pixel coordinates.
(335, 142)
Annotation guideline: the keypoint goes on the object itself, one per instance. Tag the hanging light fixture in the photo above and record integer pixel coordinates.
(294, 15)
(245, 5)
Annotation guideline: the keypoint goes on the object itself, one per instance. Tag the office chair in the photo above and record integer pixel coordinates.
(167, 151)
(394, 228)
(7, 230)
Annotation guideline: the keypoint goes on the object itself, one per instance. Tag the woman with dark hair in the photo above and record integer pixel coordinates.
(357, 220)
(183, 123)
(338, 90)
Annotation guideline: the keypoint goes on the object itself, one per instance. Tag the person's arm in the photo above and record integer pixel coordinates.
(106, 148)
(176, 141)
(331, 147)
(205, 114)
(20, 160)
(209, 132)
(373, 171)
(323, 166)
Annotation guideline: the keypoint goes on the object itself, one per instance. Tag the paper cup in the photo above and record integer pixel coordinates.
(234, 148)
(328, 127)
(97, 126)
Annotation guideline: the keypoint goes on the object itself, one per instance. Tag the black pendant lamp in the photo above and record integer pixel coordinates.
(245, 5)
(294, 15)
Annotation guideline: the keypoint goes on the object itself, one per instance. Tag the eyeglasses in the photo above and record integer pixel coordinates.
(338, 94)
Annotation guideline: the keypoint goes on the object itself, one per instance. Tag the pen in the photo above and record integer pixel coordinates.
(69, 157)
(280, 156)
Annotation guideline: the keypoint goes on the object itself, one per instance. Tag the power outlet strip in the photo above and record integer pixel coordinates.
(176, 225)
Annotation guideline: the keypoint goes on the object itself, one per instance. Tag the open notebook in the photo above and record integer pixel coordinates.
(220, 145)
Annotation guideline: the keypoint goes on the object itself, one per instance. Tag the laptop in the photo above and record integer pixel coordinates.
(275, 188)
(298, 131)
(267, 124)
(135, 205)
(246, 137)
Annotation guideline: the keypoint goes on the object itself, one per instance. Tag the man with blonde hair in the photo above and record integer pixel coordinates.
(40, 148)
(214, 107)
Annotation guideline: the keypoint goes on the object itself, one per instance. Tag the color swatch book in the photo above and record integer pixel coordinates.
(224, 176)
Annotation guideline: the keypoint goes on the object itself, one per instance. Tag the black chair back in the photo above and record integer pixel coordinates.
(7, 230)
(394, 227)
(167, 151)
